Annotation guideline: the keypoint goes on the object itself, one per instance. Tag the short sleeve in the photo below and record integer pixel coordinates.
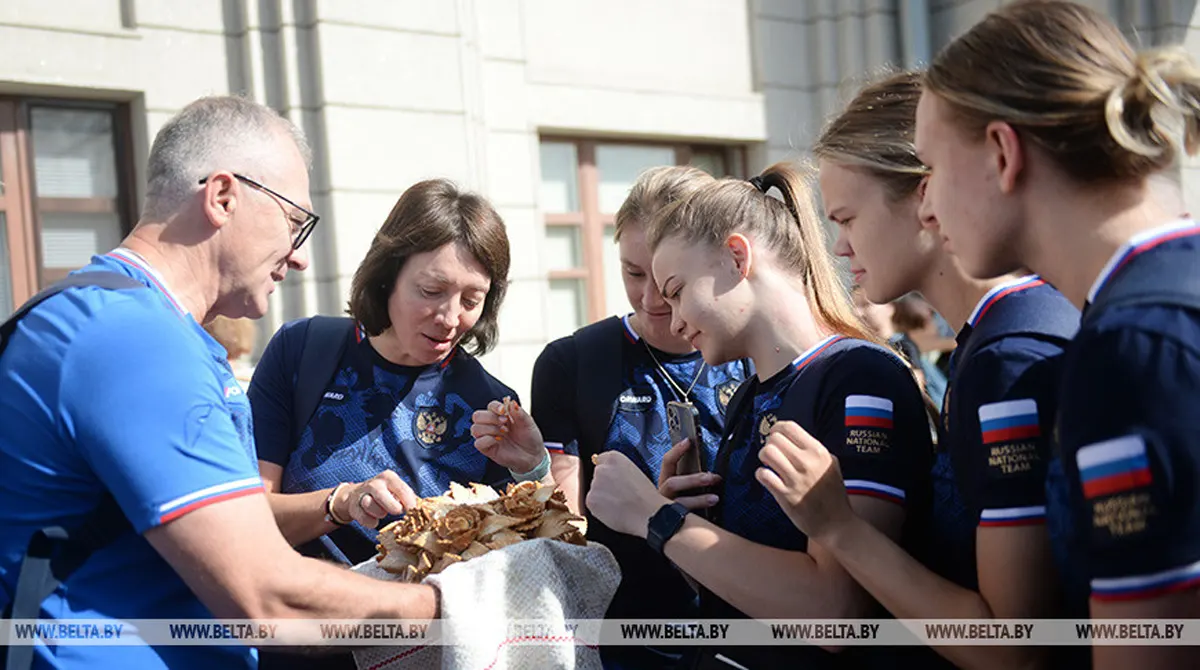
(552, 394)
(1128, 428)
(871, 415)
(159, 434)
(271, 393)
(1002, 410)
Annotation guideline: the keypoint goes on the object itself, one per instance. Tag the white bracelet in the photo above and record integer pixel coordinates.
(330, 515)
(537, 474)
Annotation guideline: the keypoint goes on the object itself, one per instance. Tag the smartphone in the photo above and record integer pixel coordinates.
(681, 423)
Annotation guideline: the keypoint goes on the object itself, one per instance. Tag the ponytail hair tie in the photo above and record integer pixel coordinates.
(758, 183)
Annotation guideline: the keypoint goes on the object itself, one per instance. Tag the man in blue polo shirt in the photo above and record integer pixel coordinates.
(122, 393)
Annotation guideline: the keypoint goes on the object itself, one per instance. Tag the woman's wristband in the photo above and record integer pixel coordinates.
(330, 515)
(537, 474)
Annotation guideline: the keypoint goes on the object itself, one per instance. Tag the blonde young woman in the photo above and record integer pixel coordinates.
(1042, 128)
(990, 512)
(744, 268)
(606, 388)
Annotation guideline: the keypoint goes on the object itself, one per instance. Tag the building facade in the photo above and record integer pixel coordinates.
(548, 107)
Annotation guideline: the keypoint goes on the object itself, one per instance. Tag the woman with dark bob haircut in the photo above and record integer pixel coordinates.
(393, 419)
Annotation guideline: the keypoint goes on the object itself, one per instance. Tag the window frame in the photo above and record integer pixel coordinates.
(591, 223)
(22, 205)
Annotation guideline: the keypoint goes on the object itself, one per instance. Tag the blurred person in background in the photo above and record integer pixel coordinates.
(881, 318)
(912, 318)
(238, 336)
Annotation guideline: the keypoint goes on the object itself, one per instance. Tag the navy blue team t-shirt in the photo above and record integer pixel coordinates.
(1128, 428)
(374, 416)
(862, 402)
(995, 448)
(650, 586)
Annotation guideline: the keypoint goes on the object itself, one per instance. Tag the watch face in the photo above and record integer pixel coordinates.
(664, 524)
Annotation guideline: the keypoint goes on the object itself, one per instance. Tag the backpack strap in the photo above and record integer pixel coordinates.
(325, 341)
(112, 281)
(597, 385)
(1169, 277)
(53, 553)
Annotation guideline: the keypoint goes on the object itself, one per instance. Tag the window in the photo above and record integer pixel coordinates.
(583, 184)
(64, 190)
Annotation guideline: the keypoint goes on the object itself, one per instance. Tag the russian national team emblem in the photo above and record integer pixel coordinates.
(764, 426)
(430, 426)
(725, 392)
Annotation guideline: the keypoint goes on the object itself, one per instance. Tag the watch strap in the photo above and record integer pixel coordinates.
(664, 524)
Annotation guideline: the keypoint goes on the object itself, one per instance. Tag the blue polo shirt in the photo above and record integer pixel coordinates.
(1128, 427)
(120, 392)
(375, 415)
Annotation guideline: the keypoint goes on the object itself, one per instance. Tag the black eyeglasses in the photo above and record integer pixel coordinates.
(303, 228)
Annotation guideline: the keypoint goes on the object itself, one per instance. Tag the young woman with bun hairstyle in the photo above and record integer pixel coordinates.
(1044, 131)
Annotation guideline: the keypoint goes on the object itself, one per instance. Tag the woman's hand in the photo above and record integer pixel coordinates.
(508, 435)
(621, 496)
(804, 478)
(381, 496)
(670, 485)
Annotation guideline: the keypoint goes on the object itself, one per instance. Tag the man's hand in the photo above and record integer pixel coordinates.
(804, 479)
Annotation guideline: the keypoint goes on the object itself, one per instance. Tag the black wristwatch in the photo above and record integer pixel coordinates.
(664, 524)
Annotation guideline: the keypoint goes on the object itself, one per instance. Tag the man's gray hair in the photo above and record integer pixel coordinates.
(212, 133)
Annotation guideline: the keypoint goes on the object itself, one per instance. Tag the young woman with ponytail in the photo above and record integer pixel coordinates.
(744, 267)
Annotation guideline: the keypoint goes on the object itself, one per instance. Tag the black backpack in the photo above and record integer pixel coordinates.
(597, 346)
(325, 342)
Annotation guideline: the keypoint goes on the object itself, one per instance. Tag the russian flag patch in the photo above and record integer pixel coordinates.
(868, 411)
(1113, 466)
(1009, 420)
